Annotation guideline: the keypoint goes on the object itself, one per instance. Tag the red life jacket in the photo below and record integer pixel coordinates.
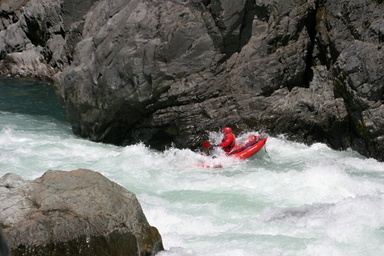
(229, 142)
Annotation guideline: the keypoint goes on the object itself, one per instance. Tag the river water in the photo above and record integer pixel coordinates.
(291, 199)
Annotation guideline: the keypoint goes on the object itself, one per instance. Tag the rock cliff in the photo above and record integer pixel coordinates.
(167, 71)
(74, 213)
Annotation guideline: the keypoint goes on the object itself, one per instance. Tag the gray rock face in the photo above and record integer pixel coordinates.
(74, 213)
(168, 71)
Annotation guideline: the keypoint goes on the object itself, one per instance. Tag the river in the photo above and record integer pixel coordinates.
(291, 199)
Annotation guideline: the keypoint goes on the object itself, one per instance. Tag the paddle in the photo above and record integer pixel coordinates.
(206, 144)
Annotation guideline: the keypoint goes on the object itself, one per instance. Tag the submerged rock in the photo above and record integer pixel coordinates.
(74, 213)
(165, 71)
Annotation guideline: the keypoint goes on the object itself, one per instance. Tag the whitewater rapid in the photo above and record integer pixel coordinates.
(292, 199)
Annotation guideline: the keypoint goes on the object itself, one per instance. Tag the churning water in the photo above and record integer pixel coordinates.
(291, 200)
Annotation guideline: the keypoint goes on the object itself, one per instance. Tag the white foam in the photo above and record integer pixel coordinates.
(297, 200)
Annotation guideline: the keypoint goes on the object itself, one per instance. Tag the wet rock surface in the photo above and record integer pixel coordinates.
(167, 72)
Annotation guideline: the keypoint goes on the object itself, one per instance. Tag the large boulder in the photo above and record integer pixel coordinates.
(166, 71)
(73, 213)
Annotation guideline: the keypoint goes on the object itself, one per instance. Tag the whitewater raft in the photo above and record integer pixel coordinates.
(252, 146)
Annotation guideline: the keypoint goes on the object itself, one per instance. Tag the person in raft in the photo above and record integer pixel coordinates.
(229, 140)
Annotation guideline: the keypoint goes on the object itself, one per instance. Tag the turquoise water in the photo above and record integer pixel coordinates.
(291, 200)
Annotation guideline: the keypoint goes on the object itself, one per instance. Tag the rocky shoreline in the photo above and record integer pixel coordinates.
(78, 212)
(168, 71)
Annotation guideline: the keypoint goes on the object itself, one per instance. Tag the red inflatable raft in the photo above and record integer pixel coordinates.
(253, 145)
